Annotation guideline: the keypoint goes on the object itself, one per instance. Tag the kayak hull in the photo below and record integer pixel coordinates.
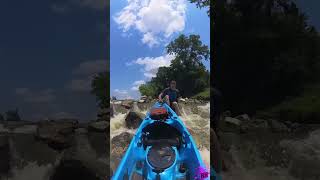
(183, 158)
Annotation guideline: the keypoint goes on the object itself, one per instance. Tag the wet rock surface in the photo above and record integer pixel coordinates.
(119, 145)
(56, 149)
(99, 126)
(134, 119)
(269, 149)
(58, 135)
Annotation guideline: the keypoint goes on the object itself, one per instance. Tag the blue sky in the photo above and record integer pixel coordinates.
(139, 31)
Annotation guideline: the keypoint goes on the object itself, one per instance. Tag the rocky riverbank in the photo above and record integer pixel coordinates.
(53, 150)
(257, 148)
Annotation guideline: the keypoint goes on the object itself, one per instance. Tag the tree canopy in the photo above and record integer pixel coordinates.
(264, 51)
(101, 89)
(202, 4)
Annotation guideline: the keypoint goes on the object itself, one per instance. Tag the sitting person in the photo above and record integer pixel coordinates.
(170, 96)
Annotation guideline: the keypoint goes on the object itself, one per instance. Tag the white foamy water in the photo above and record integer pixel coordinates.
(117, 125)
(31, 171)
(201, 129)
(259, 172)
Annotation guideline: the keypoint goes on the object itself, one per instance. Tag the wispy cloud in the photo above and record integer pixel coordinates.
(91, 67)
(152, 64)
(83, 75)
(121, 94)
(157, 20)
(68, 5)
(42, 96)
(137, 84)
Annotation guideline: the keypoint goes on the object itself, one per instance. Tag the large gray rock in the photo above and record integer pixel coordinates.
(57, 135)
(99, 126)
(4, 154)
(232, 121)
(231, 125)
(243, 117)
(119, 145)
(134, 119)
(127, 104)
(277, 126)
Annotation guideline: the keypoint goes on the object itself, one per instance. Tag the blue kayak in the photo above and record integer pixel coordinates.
(162, 149)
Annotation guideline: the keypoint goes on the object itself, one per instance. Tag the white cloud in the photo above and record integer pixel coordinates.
(68, 4)
(121, 94)
(157, 20)
(42, 96)
(137, 84)
(84, 73)
(80, 85)
(91, 67)
(152, 64)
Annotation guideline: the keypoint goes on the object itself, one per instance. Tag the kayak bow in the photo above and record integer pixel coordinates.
(162, 149)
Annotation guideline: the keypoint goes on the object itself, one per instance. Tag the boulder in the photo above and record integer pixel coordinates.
(231, 125)
(57, 135)
(253, 125)
(122, 140)
(120, 143)
(127, 104)
(243, 117)
(232, 121)
(98, 126)
(4, 154)
(277, 126)
(134, 119)
(104, 113)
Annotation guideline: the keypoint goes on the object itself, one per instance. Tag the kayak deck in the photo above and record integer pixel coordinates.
(160, 150)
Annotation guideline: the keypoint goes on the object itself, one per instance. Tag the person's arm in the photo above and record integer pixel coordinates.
(162, 94)
(178, 95)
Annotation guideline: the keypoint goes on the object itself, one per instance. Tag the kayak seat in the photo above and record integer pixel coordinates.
(161, 157)
(153, 134)
(159, 113)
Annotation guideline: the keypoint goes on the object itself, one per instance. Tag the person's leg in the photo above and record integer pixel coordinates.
(167, 100)
(176, 108)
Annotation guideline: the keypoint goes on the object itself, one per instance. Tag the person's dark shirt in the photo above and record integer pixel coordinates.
(172, 93)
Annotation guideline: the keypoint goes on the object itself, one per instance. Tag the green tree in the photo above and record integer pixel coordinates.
(202, 3)
(264, 51)
(101, 89)
(148, 90)
(13, 115)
